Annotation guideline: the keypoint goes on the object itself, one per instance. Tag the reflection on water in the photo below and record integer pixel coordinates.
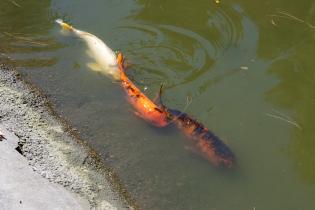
(293, 66)
(238, 62)
(24, 28)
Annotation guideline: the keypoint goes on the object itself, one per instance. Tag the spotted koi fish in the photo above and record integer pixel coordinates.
(145, 108)
(206, 142)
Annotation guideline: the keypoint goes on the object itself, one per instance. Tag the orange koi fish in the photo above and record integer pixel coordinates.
(144, 107)
(206, 142)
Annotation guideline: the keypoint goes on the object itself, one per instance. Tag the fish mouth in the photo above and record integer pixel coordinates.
(64, 25)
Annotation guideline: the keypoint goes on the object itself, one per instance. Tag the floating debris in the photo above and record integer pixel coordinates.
(273, 22)
(244, 67)
(286, 15)
(14, 3)
(26, 39)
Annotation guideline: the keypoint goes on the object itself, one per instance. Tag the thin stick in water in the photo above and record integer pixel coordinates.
(286, 15)
(285, 120)
(24, 39)
(14, 3)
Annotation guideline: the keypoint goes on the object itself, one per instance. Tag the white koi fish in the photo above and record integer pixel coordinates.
(104, 58)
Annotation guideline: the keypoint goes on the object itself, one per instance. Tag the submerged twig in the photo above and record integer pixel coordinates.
(288, 16)
(14, 3)
(292, 16)
(1, 136)
(188, 101)
(285, 118)
(29, 40)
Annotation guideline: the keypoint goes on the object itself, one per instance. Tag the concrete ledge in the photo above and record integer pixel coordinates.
(53, 159)
(22, 188)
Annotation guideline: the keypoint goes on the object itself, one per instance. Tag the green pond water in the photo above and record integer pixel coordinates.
(247, 66)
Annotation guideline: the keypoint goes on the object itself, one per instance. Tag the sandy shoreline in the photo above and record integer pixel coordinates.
(51, 150)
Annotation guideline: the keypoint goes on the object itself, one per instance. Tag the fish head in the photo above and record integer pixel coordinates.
(67, 29)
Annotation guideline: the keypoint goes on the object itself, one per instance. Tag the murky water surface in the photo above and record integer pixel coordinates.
(248, 67)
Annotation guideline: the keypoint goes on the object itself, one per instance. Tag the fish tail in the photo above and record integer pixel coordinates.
(64, 25)
(120, 62)
(223, 156)
(120, 59)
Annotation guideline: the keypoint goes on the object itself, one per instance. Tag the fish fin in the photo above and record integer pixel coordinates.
(89, 53)
(158, 98)
(138, 114)
(120, 59)
(191, 148)
(194, 153)
(116, 78)
(127, 64)
(94, 67)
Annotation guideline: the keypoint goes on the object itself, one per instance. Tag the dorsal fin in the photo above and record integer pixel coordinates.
(160, 95)
(158, 98)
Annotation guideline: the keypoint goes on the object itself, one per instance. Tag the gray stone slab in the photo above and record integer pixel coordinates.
(22, 188)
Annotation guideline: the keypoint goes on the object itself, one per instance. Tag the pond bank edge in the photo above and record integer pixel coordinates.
(53, 148)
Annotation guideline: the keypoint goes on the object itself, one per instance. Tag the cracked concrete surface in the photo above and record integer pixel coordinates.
(22, 188)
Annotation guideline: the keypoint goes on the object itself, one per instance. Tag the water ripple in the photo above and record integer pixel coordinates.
(186, 57)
